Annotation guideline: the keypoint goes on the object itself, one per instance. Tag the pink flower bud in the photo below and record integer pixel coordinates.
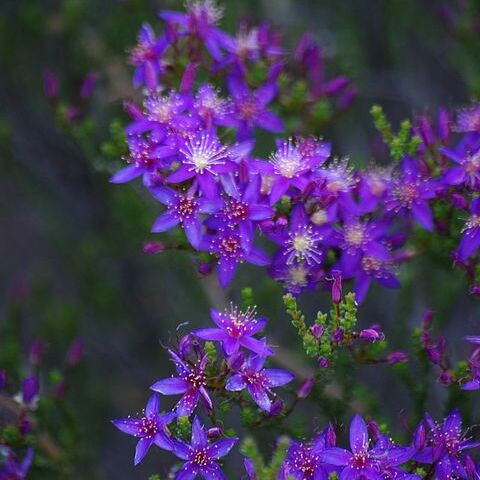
(214, 432)
(88, 85)
(420, 437)
(37, 349)
(397, 357)
(323, 362)
(50, 85)
(152, 248)
(305, 388)
(317, 330)
(336, 286)
(75, 352)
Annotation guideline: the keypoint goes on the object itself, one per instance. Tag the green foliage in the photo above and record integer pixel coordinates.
(401, 144)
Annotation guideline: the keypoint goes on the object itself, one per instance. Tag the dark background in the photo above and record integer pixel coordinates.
(71, 243)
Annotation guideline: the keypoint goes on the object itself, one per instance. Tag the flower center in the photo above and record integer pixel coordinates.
(303, 246)
(287, 161)
(371, 264)
(235, 210)
(472, 223)
(203, 154)
(248, 109)
(355, 235)
(186, 208)
(407, 193)
(297, 276)
(359, 460)
(200, 457)
(196, 380)
(148, 428)
(319, 217)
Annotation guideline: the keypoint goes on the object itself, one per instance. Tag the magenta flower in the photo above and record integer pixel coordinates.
(467, 157)
(228, 246)
(235, 330)
(303, 461)
(289, 164)
(468, 119)
(446, 447)
(200, 21)
(259, 381)
(250, 108)
(145, 57)
(201, 458)
(150, 429)
(410, 194)
(363, 463)
(183, 209)
(470, 241)
(191, 382)
(11, 468)
(211, 108)
(204, 158)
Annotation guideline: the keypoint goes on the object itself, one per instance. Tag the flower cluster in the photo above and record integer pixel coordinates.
(200, 374)
(193, 143)
(435, 449)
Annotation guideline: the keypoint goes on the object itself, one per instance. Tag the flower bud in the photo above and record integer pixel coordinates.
(50, 85)
(152, 248)
(305, 388)
(185, 346)
(323, 362)
(188, 78)
(427, 319)
(374, 430)
(426, 132)
(30, 387)
(3, 379)
(470, 468)
(75, 352)
(331, 437)
(214, 432)
(248, 464)
(37, 349)
(459, 201)
(336, 286)
(88, 85)
(397, 357)
(420, 437)
(371, 335)
(24, 424)
(204, 268)
(446, 378)
(317, 330)
(338, 335)
(133, 110)
(443, 125)
(276, 408)
(335, 85)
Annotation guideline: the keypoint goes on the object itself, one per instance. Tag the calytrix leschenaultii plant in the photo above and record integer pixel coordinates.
(192, 141)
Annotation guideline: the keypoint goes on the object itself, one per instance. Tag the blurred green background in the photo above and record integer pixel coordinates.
(71, 243)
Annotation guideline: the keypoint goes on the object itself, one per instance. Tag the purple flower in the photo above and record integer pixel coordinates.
(301, 242)
(203, 157)
(468, 119)
(235, 330)
(200, 21)
(467, 156)
(29, 391)
(410, 193)
(471, 232)
(296, 276)
(228, 246)
(362, 462)
(183, 209)
(144, 159)
(211, 108)
(145, 57)
(446, 447)
(289, 164)
(191, 382)
(150, 428)
(258, 380)
(242, 209)
(303, 461)
(201, 458)
(250, 108)
(10, 466)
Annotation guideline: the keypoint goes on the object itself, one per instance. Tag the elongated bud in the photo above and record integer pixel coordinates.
(50, 85)
(427, 319)
(374, 430)
(30, 387)
(470, 468)
(459, 201)
(426, 132)
(397, 357)
(133, 110)
(446, 378)
(420, 437)
(337, 286)
(3, 379)
(204, 268)
(250, 469)
(188, 78)
(331, 437)
(24, 424)
(305, 388)
(88, 85)
(236, 361)
(37, 349)
(338, 335)
(335, 85)
(152, 248)
(443, 125)
(75, 352)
